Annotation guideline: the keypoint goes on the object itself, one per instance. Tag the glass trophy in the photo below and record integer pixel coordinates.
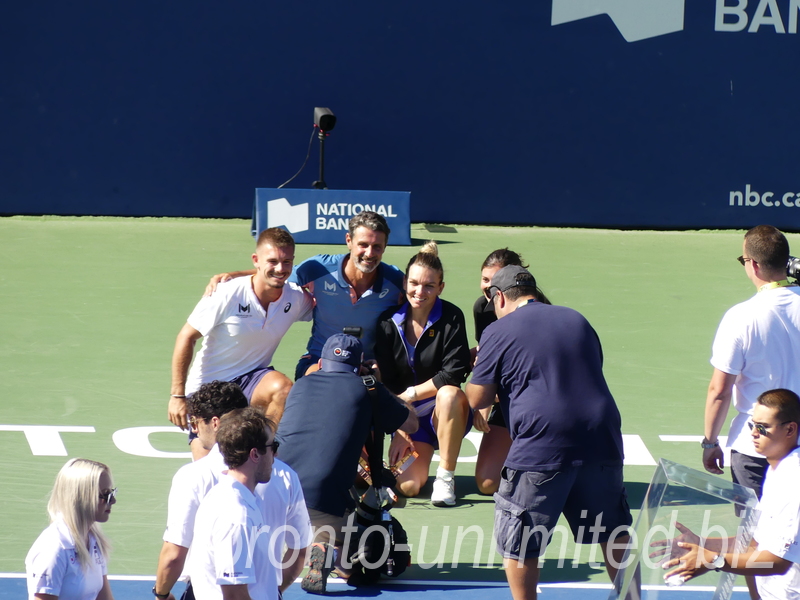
(680, 499)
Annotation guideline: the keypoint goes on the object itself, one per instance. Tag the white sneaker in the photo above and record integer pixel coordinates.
(444, 490)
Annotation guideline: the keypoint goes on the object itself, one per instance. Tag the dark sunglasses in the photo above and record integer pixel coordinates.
(742, 260)
(274, 445)
(108, 496)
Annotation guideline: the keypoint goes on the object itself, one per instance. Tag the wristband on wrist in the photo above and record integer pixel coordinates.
(178, 395)
(706, 445)
(157, 595)
(411, 393)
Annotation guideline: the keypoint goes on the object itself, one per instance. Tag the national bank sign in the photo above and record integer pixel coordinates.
(322, 216)
(642, 19)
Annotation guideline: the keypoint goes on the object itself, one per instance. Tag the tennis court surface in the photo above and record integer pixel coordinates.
(90, 311)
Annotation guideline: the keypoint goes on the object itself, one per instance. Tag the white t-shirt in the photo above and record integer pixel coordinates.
(238, 334)
(229, 547)
(52, 566)
(758, 341)
(778, 529)
(283, 508)
(189, 486)
(286, 516)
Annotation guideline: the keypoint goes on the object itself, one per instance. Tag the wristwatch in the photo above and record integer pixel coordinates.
(706, 445)
(157, 595)
(718, 562)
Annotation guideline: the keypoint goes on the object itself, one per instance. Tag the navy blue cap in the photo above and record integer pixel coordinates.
(342, 353)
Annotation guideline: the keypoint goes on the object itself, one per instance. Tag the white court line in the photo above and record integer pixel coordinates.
(439, 583)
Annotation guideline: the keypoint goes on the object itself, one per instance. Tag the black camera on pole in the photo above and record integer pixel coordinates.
(325, 121)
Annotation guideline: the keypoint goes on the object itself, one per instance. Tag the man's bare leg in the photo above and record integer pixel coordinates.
(614, 554)
(270, 395)
(523, 577)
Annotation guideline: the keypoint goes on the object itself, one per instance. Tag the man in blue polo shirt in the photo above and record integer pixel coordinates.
(544, 362)
(350, 290)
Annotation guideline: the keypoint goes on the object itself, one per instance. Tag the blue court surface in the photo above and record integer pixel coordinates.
(12, 585)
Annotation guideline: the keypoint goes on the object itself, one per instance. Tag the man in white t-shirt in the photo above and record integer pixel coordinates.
(283, 505)
(241, 326)
(773, 557)
(230, 547)
(755, 349)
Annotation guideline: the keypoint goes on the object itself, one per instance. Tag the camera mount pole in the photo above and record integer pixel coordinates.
(320, 184)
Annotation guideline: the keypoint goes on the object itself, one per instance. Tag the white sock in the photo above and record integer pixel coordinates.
(444, 473)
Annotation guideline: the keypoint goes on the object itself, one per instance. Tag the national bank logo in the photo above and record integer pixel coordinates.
(282, 214)
(635, 19)
(642, 19)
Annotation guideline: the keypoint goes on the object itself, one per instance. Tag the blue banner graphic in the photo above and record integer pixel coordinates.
(321, 216)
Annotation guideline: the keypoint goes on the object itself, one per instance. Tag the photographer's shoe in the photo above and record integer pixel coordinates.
(444, 488)
(316, 580)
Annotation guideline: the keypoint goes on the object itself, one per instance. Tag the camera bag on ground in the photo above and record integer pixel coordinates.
(381, 545)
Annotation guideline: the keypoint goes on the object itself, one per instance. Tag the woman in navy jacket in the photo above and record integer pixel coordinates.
(423, 355)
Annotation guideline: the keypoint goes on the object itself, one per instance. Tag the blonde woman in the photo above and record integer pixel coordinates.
(68, 559)
(423, 354)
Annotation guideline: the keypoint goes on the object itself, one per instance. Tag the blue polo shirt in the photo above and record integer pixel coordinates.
(547, 364)
(337, 306)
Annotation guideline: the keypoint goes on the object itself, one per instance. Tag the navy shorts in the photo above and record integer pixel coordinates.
(305, 361)
(427, 432)
(528, 503)
(248, 382)
(496, 417)
(748, 471)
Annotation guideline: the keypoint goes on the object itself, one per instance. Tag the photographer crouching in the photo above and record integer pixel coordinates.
(326, 421)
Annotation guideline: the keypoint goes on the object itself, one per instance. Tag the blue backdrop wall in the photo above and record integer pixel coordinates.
(657, 113)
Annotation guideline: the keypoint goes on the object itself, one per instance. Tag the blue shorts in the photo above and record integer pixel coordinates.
(305, 361)
(427, 432)
(248, 382)
(527, 506)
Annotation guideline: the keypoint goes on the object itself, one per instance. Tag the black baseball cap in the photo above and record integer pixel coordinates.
(510, 277)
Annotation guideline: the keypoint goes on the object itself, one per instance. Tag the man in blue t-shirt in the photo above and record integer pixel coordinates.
(545, 362)
(326, 422)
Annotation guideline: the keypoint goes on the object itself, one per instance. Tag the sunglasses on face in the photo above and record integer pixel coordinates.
(108, 495)
(761, 428)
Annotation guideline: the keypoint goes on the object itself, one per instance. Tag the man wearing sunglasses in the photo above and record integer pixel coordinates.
(283, 504)
(756, 349)
(773, 557)
(231, 542)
